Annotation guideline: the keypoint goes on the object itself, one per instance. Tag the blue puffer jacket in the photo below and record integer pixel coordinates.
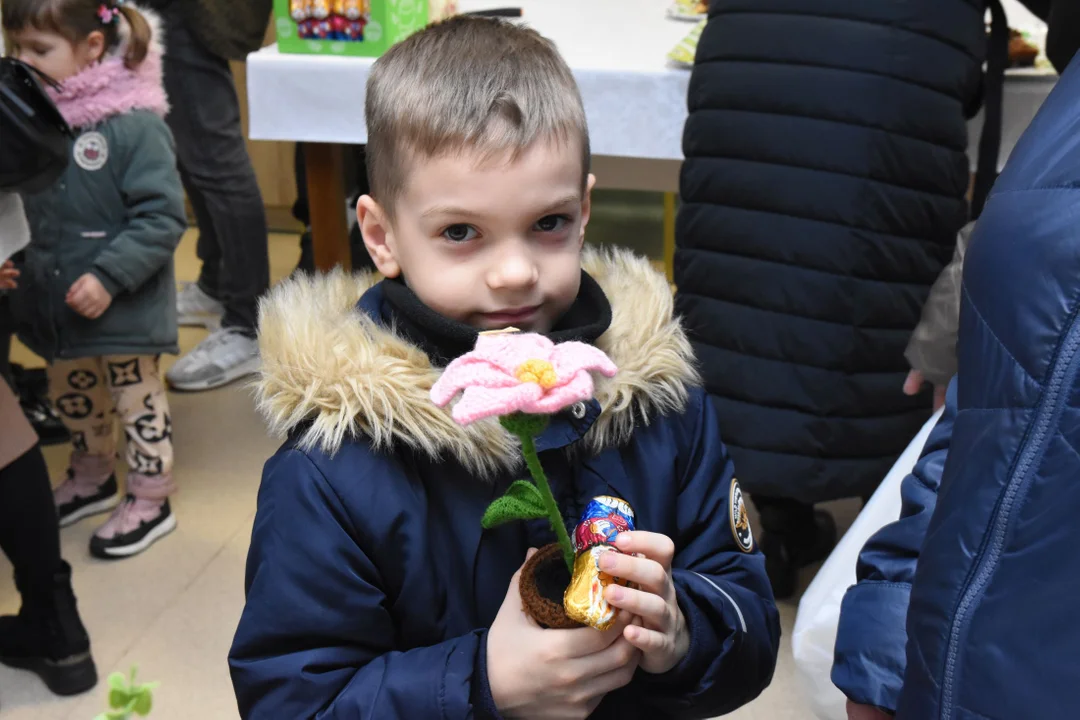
(983, 562)
(822, 191)
(370, 582)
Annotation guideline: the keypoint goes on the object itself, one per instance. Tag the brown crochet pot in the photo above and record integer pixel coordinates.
(544, 579)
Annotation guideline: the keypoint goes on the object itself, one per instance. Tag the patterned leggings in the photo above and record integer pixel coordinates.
(89, 392)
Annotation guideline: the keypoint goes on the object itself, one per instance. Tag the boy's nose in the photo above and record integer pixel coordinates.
(514, 270)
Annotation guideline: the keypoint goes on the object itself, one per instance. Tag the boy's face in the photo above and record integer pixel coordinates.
(492, 244)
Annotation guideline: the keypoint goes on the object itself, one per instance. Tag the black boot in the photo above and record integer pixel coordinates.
(32, 387)
(793, 538)
(48, 638)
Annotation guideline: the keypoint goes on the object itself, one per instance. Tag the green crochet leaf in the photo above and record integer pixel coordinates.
(522, 501)
(117, 681)
(521, 424)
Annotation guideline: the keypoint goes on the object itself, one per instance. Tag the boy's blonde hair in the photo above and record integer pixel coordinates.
(467, 84)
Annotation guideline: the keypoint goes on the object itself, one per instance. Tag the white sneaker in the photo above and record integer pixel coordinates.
(224, 356)
(195, 308)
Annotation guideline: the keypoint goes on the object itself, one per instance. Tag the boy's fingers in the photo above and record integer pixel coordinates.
(647, 606)
(648, 574)
(585, 642)
(619, 654)
(654, 546)
(647, 641)
(601, 685)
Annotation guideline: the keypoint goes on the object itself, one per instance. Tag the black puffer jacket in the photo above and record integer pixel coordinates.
(822, 191)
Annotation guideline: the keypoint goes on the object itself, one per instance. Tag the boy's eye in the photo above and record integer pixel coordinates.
(459, 233)
(551, 223)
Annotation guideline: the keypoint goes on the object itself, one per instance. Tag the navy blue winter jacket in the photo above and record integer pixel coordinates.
(983, 563)
(370, 583)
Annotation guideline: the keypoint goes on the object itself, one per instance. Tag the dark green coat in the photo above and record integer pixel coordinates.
(121, 222)
(228, 28)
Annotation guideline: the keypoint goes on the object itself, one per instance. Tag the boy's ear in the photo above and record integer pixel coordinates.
(586, 206)
(378, 236)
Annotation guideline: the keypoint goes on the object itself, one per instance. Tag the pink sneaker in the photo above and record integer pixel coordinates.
(143, 518)
(90, 488)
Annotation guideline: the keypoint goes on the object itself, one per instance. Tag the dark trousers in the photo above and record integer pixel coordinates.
(355, 178)
(29, 529)
(786, 518)
(217, 174)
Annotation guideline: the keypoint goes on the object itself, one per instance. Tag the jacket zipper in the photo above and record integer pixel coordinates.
(1034, 447)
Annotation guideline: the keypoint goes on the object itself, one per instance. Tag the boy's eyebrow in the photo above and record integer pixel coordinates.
(562, 202)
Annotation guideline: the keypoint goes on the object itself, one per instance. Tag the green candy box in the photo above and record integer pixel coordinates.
(357, 28)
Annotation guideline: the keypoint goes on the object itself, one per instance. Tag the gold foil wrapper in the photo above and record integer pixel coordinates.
(584, 599)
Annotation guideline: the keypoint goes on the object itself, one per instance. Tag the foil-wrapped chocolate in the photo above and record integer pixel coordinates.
(604, 518)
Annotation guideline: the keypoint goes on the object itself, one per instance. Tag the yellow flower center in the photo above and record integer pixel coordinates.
(540, 372)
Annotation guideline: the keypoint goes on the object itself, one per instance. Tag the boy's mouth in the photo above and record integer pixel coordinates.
(511, 316)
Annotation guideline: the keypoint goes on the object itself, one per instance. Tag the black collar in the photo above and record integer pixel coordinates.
(444, 339)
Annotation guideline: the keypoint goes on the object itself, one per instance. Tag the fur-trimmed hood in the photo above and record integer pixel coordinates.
(110, 88)
(335, 372)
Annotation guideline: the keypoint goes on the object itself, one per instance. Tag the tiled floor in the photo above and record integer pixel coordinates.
(173, 610)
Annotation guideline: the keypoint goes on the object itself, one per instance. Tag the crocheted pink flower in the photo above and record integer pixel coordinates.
(519, 373)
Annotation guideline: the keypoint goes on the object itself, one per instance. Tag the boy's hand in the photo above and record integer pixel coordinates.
(8, 276)
(537, 673)
(88, 297)
(663, 637)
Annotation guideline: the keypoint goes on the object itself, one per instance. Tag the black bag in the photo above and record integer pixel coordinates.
(34, 138)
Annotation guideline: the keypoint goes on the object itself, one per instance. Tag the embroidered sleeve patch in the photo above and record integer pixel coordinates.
(740, 519)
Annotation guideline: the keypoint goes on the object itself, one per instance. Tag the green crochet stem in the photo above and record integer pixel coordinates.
(526, 428)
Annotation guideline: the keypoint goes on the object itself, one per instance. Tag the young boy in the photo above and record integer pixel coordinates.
(372, 590)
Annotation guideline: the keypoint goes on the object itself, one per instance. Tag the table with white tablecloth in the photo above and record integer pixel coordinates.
(635, 101)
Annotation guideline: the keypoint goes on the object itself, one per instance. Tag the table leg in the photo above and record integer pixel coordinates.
(669, 235)
(326, 199)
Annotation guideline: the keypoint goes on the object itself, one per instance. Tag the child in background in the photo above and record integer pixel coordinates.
(372, 590)
(96, 297)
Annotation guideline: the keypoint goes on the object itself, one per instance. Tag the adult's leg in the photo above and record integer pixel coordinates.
(219, 177)
(793, 535)
(207, 247)
(29, 531)
(301, 212)
(7, 328)
(47, 636)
